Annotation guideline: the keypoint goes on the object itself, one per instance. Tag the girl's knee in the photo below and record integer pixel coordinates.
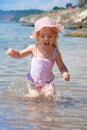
(33, 93)
(49, 94)
(49, 91)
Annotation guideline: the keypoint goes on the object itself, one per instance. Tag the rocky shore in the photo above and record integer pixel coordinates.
(78, 33)
(73, 18)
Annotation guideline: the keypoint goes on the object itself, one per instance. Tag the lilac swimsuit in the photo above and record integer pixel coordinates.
(41, 70)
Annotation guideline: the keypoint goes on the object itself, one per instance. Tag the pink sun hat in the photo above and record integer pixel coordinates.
(46, 22)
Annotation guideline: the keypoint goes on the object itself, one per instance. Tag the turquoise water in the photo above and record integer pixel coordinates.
(68, 111)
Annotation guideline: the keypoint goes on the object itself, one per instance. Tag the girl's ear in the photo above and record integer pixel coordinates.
(37, 36)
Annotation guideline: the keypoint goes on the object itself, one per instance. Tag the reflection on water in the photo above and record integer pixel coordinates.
(68, 110)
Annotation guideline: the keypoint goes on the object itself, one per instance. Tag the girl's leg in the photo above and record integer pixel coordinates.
(33, 91)
(48, 91)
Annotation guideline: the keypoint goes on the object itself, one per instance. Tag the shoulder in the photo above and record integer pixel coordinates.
(31, 47)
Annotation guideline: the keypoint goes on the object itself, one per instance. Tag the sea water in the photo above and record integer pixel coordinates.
(68, 111)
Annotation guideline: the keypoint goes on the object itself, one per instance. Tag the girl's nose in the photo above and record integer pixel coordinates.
(46, 38)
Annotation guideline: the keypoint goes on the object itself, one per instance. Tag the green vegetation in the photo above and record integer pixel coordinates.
(82, 4)
(58, 8)
(69, 5)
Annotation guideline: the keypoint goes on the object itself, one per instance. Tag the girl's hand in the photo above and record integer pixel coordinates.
(66, 76)
(13, 53)
(9, 51)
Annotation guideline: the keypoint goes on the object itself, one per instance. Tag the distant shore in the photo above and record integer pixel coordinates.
(71, 18)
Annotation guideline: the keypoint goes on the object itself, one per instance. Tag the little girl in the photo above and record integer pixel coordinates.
(44, 54)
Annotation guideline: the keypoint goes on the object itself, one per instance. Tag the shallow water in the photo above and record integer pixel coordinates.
(68, 111)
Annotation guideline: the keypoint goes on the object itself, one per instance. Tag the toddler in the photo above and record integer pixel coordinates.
(40, 78)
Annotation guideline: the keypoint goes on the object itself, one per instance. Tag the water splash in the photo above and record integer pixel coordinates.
(17, 88)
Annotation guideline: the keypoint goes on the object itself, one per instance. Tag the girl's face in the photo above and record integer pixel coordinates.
(47, 37)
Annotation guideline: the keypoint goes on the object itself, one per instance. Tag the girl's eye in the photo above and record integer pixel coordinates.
(50, 36)
(42, 36)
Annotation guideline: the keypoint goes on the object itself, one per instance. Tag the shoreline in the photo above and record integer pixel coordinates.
(78, 33)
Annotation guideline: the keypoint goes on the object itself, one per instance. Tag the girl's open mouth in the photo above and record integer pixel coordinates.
(46, 43)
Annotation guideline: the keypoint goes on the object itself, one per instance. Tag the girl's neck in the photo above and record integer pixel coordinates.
(45, 52)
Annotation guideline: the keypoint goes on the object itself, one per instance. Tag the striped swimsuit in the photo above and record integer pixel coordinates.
(41, 70)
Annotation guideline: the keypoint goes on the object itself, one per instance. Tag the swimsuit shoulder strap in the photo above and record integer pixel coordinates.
(36, 50)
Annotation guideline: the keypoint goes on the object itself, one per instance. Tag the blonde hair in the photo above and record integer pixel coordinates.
(54, 30)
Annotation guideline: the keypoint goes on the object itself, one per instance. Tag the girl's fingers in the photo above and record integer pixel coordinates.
(9, 51)
(66, 76)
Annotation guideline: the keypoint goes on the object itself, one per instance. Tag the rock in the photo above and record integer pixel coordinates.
(78, 33)
(79, 20)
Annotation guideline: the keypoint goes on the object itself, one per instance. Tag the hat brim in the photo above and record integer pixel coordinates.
(59, 27)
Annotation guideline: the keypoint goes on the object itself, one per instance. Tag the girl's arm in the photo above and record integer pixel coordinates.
(20, 53)
(63, 69)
